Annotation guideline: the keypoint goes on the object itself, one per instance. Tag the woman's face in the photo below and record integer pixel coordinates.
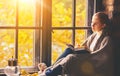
(96, 24)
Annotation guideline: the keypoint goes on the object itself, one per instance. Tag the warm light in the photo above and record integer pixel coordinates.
(26, 1)
(26, 56)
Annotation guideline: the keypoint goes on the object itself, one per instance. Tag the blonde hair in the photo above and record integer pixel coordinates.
(104, 19)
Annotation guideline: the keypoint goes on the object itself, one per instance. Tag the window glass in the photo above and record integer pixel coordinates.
(59, 40)
(7, 46)
(26, 15)
(80, 36)
(61, 13)
(7, 12)
(25, 47)
(14, 39)
(81, 8)
(62, 16)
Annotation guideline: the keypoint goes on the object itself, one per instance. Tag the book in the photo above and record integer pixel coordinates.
(70, 46)
(78, 50)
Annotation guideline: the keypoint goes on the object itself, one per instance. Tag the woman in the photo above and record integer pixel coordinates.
(98, 41)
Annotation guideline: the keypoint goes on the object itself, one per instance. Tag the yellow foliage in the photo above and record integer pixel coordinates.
(61, 17)
(25, 73)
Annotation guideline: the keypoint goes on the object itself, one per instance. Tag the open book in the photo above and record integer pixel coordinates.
(78, 50)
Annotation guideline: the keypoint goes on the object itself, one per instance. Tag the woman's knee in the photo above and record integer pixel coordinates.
(70, 56)
(69, 50)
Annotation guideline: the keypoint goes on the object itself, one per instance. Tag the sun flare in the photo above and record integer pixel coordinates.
(26, 1)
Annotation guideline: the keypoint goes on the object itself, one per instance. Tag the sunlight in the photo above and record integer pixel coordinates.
(26, 1)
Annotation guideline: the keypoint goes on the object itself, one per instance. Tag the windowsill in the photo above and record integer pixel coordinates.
(28, 69)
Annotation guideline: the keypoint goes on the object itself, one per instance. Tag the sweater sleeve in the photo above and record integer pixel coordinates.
(105, 45)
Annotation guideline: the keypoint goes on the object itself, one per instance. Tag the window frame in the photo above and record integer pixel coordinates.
(91, 6)
(37, 41)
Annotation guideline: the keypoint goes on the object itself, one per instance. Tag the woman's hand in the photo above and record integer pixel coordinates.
(77, 46)
(80, 47)
(42, 66)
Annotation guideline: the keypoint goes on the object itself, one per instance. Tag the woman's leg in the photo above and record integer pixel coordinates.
(54, 72)
(65, 53)
(58, 68)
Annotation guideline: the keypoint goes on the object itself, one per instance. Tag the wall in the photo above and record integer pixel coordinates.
(113, 9)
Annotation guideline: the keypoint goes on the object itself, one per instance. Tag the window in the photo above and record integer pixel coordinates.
(36, 31)
(68, 24)
(20, 29)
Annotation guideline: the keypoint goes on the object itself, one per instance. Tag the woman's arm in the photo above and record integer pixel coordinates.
(104, 45)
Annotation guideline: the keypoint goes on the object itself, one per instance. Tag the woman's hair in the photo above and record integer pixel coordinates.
(104, 19)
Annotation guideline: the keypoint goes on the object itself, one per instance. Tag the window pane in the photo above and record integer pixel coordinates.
(61, 13)
(59, 40)
(7, 12)
(25, 47)
(7, 46)
(81, 12)
(80, 36)
(26, 12)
